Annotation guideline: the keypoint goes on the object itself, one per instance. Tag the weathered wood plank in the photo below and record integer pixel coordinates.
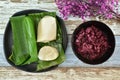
(72, 22)
(24, 1)
(8, 7)
(10, 73)
(71, 59)
(15, 0)
(113, 24)
(46, 1)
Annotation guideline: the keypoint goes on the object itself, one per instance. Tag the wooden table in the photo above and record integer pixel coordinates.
(72, 68)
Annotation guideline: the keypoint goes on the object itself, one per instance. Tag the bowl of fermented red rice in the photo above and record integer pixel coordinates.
(93, 42)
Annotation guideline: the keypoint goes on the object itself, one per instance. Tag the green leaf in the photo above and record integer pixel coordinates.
(24, 49)
(36, 17)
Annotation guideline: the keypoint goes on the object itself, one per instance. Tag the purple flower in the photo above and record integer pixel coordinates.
(86, 8)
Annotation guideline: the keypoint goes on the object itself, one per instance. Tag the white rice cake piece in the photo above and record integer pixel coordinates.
(47, 29)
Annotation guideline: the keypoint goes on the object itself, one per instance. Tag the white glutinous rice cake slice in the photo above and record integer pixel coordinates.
(47, 29)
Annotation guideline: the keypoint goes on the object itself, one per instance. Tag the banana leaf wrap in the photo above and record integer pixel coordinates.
(36, 17)
(24, 49)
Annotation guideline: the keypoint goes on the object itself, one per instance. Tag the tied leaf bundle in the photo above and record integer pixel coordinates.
(24, 49)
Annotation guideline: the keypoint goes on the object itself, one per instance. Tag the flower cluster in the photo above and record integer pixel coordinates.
(86, 8)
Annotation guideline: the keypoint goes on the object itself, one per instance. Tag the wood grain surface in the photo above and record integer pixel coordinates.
(72, 68)
(72, 60)
(8, 8)
(10, 73)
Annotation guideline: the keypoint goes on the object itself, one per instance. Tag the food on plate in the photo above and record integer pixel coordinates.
(24, 49)
(91, 43)
(48, 53)
(57, 43)
(25, 45)
(47, 29)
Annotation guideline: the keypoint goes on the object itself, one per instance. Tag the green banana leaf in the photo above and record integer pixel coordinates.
(36, 17)
(24, 49)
